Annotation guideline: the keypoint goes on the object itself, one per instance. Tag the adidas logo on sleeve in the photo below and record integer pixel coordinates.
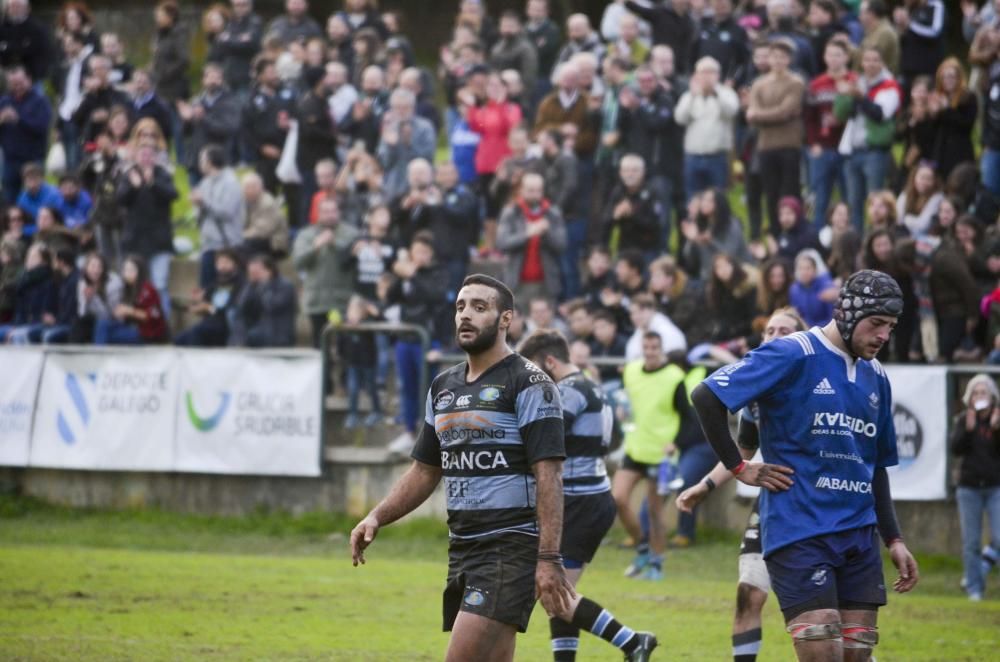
(824, 388)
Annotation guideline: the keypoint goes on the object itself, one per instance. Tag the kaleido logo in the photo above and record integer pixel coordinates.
(73, 417)
(208, 423)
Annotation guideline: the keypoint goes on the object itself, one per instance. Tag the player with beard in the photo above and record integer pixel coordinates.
(826, 434)
(589, 510)
(493, 431)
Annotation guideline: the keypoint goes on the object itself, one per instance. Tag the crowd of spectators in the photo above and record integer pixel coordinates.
(595, 168)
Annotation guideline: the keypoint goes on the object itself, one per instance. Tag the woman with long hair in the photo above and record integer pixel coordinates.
(711, 229)
(773, 284)
(883, 252)
(138, 318)
(919, 201)
(76, 17)
(679, 297)
(732, 299)
(881, 207)
(840, 243)
(99, 292)
(213, 23)
(954, 109)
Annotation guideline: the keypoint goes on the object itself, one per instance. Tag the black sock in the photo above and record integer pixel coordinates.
(746, 645)
(565, 640)
(597, 620)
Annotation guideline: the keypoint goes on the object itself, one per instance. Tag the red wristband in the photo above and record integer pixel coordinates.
(739, 467)
(890, 543)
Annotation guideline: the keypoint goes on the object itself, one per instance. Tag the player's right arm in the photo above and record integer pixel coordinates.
(747, 440)
(714, 422)
(411, 490)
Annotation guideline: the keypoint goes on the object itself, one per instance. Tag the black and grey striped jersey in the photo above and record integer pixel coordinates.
(588, 421)
(486, 435)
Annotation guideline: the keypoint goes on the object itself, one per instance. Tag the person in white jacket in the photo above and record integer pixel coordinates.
(646, 318)
(708, 111)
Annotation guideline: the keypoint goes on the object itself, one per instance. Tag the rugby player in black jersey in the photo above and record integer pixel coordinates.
(493, 431)
(588, 510)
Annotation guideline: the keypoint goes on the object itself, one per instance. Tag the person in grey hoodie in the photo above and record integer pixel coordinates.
(219, 200)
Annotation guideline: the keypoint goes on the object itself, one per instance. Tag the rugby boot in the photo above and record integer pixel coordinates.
(642, 652)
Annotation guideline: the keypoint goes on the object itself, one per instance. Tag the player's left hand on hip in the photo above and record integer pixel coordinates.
(774, 477)
(553, 589)
(909, 574)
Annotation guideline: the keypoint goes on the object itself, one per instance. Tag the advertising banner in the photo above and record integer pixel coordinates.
(919, 405)
(258, 416)
(109, 411)
(22, 370)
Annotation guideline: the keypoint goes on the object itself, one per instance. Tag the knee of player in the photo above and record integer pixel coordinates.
(817, 625)
(749, 600)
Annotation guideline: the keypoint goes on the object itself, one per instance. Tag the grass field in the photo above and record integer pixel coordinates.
(153, 586)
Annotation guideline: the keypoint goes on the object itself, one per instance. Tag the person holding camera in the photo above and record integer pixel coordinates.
(976, 439)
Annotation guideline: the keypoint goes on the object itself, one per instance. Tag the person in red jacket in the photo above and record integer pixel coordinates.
(824, 130)
(138, 319)
(494, 121)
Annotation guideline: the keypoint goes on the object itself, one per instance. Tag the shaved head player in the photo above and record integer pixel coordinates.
(493, 430)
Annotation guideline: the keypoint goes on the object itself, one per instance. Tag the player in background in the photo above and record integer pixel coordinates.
(659, 403)
(493, 430)
(588, 509)
(754, 582)
(826, 433)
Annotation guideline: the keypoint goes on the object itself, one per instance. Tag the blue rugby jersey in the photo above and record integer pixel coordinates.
(825, 415)
(588, 423)
(486, 435)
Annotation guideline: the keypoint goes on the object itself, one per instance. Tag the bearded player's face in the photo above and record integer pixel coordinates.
(477, 319)
(871, 334)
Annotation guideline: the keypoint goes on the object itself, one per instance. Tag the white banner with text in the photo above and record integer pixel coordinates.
(245, 414)
(104, 410)
(22, 370)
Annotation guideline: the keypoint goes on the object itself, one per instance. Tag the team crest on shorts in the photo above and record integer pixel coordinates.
(474, 598)
(819, 577)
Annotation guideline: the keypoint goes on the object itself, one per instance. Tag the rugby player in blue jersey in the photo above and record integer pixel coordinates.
(826, 434)
(589, 510)
(493, 430)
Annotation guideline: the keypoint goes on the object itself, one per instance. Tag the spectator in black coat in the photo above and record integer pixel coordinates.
(670, 25)
(420, 290)
(721, 37)
(546, 38)
(147, 103)
(607, 342)
(25, 40)
(35, 292)
(171, 58)
(265, 312)
(211, 118)
(647, 127)
(455, 224)
(94, 111)
(954, 109)
(145, 192)
(238, 44)
(216, 305)
(921, 43)
(633, 209)
(265, 121)
(25, 116)
(317, 133)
